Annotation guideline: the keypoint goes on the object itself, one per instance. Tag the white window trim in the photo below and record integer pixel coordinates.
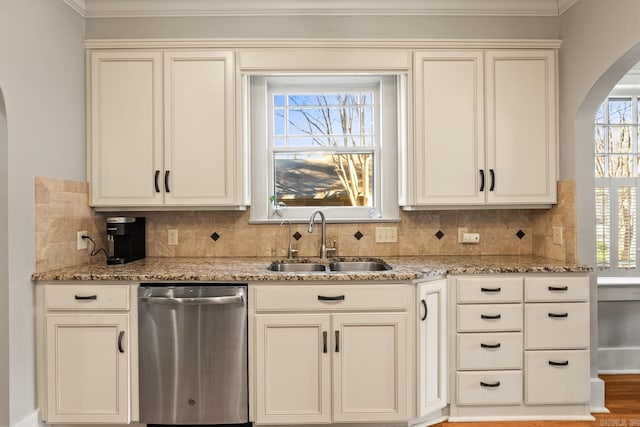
(385, 156)
(613, 183)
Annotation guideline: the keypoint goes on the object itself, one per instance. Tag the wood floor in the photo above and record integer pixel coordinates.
(622, 398)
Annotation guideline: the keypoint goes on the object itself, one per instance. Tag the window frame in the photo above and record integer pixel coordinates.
(387, 120)
(613, 184)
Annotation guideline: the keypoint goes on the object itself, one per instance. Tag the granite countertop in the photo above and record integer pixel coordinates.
(255, 269)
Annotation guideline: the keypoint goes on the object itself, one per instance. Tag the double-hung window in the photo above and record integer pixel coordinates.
(617, 168)
(324, 142)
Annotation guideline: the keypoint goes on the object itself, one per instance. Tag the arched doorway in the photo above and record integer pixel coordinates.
(585, 197)
(4, 264)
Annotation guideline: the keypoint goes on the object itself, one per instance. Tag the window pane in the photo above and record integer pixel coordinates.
(600, 164)
(603, 225)
(279, 100)
(329, 121)
(620, 110)
(620, 139)
(600, 114)
(279, 120)
(324, 179)
(600, 139)
(620, 166)
(626, 227)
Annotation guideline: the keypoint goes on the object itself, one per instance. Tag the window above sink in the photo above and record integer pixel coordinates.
(324, 141)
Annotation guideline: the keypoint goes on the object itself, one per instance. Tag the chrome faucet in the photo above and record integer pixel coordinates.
(291, 253)
(323, 243)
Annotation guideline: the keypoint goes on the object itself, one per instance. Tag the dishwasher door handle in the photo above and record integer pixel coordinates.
(231, 299)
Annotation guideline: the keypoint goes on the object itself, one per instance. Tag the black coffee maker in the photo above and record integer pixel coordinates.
(126, 239)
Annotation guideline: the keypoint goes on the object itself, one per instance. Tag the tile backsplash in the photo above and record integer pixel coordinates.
(62, 209)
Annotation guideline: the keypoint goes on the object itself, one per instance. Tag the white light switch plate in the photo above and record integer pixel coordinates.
(172, 239)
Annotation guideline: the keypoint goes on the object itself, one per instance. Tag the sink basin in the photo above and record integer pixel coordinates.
(297, 266)
(359, 266)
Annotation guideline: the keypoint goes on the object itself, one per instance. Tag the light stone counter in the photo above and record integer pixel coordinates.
(255, 269)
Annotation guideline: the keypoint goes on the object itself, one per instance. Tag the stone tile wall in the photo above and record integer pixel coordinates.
(62, 209)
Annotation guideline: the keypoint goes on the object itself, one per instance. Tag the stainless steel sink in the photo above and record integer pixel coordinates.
(296, 266)
(374, 265)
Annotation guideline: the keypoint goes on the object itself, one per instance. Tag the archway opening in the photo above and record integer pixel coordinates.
(610, 311)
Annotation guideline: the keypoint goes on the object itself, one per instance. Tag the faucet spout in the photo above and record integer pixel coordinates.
(323, 241)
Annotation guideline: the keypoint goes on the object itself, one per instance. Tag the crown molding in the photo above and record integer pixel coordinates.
(79, 6)
(170, 8)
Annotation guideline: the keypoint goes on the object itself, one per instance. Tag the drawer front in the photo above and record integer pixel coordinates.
(86, 297)
(557, 377)
(331, 298)
(556, 288)
(490, 317)
(489, 289)
(490, 351)
(557, 326)
(489, 388)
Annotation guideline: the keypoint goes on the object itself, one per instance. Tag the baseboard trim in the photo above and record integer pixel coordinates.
(29, 421)
(597, 397)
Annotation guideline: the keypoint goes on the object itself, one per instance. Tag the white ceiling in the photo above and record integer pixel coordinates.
(150, 8)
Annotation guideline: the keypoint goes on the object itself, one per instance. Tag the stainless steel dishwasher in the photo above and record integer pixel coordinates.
(193, 354)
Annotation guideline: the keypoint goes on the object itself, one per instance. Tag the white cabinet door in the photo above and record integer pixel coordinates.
(125, 128)
(521, 126)
(293, 373)
(449, 128)
(369, 368)
(432, 347)
(199, 119)
(88, 368)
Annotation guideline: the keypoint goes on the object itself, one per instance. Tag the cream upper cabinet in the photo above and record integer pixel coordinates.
(485, 128)
(125, 128)
(162, 129)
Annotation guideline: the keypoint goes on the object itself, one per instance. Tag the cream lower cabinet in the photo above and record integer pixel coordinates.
(162, 129)
(84, 354)
(520, 347)
(344, 363)
(432, 347)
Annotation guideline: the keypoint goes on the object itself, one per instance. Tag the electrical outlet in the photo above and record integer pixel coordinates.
(172, 238)
(461, 233)
(557, 235)
(386, 234)
(81, 244)
(471, 238)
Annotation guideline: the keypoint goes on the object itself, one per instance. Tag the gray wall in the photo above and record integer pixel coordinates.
(4, 268)
(42, 79)
(325, 27)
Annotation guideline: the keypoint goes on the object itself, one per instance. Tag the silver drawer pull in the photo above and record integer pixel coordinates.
(490, 385)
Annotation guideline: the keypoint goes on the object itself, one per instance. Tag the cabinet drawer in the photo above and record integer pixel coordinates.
(556, 288)
(489, 388)
(331, 298)
(490, 317)
(489, 289)
(490, 351)
(86, 297)
(557, 326)
(557, 377)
